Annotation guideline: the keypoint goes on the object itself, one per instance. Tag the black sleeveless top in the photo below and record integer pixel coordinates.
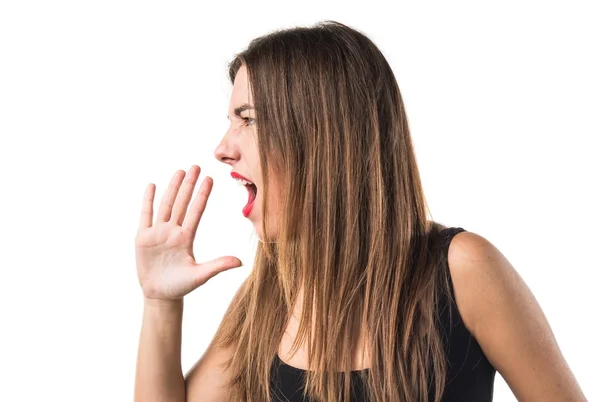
(470, 376)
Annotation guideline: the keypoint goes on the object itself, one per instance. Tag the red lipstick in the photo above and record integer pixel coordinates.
(251, 193)
(236, 175)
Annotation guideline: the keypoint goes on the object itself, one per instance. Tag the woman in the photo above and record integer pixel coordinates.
(354, 293)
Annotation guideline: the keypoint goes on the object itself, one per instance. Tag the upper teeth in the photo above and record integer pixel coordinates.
(243, 182)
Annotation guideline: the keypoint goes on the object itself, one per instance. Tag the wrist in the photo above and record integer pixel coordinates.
(162, 303)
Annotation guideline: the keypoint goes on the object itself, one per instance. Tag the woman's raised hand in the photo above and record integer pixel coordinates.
(166, 267)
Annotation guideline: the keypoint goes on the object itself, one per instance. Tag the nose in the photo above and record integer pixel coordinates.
(227, 151)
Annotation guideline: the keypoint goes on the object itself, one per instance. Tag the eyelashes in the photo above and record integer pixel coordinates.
(248, 121)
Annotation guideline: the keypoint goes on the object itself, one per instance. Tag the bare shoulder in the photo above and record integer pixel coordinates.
(503, 315)
(207, 380)
(477, 267)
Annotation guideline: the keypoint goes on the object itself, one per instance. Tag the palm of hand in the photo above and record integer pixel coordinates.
(165, 261)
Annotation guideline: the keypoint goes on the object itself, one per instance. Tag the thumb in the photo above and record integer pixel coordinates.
(211, 268)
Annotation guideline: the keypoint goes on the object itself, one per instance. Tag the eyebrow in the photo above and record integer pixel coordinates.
(238, 110)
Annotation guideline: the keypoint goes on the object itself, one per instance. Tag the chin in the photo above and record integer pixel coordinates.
(272, 238)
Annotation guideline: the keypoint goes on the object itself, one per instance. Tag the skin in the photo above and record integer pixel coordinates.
(167, 271)
(238, 148)
(206, 381)
(494, 302)
(503, 315)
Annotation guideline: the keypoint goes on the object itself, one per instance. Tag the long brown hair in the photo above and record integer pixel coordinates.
(354, 234)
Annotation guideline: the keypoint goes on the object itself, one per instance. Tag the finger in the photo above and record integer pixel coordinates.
(147, 207)
(166, 203)
(198, 205)
(211, 268)
(185, 194)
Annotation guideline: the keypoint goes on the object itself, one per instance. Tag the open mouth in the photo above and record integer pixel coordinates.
(251, 197)
(252, 191)
(249, 185)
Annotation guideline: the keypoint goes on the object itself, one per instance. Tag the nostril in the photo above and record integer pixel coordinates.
(222, 157)
(226, 154)
(221, 152)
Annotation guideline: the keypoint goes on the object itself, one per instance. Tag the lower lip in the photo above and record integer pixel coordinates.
(248, 208)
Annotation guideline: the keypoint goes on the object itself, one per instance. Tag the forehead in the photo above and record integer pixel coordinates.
(240, 92)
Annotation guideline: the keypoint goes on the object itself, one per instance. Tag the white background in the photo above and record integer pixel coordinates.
(98, 99)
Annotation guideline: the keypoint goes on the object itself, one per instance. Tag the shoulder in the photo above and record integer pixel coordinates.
(503, 315)
(479, 272)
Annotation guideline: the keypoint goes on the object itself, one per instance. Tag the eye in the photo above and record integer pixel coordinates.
(248, 121)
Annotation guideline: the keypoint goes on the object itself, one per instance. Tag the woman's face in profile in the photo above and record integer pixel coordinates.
(238, 148)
